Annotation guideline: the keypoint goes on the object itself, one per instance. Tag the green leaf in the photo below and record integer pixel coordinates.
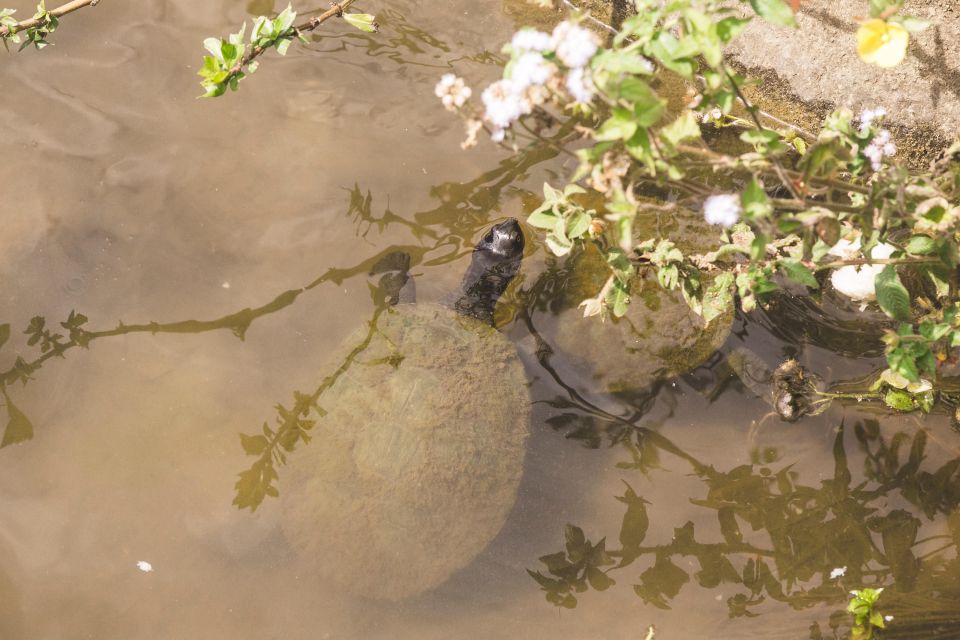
(683, 128)
(619, 126)
(618, 299)
(559, 245)
(892, 296)
(730, 28)
(795, 270)
(904, 364)
(921, 245)
(362, 21)
(775, 11)
(543, 218)
(755, 202)
(577, 224)
(718, 298)
(18, 428)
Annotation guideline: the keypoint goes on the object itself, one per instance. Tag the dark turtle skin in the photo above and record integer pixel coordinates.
(496, 260)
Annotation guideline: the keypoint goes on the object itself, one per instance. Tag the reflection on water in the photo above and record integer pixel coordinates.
(261, 218)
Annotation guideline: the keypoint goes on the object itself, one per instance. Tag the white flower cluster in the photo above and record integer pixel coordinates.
(880, 146)
(452, 91)
(723, 209)
(857, 282)
(530, 73)
(574, 44)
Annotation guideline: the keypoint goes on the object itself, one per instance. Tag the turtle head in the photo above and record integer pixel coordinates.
(496, 260)
(504, 239)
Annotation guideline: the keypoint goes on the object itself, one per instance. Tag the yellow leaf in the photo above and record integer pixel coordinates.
(882, 43)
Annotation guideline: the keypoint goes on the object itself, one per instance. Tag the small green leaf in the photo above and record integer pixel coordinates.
(618, 299)
(730, 28)
(892, 296)
(543, 218)
(362, 21)
(619, 126)
(921, 245)
(683, 128)
(795, 270)
(755, 202)
(775, 11)
(718, 298)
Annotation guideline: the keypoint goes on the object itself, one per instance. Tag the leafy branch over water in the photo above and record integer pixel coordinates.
(232, 59)
(37, 28)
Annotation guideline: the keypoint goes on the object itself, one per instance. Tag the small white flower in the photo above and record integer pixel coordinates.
(531, 69)
(574, 44)
(880, 146)
(839, 572)
(497, 134)
(868, 116)
(452, 91)
(530, 40)
(144, 566)
(712, 116)
(888, 618)
(580, 85)
(502, 102)
(723, 209)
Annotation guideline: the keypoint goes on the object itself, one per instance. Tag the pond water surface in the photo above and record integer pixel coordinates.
(129, 201)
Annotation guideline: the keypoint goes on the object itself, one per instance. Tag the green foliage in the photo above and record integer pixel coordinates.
(225, 65)
(796, 206)
(231, 60)
(36, 35)
(866, 618)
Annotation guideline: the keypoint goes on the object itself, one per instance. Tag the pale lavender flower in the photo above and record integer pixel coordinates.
(881, 145)
(868, 116)
(723, 209)
(574, 44)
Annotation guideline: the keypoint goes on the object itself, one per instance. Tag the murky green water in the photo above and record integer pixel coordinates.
(128, 200)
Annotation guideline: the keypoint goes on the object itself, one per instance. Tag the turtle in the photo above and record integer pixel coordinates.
(416, 464)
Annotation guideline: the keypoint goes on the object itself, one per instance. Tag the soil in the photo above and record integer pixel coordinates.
(816, 68)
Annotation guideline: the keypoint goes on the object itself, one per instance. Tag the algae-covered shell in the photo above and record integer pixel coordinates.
(658, 337)
(416, 465)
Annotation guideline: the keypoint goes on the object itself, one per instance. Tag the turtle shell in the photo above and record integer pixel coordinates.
(659, 336)
(416, 465)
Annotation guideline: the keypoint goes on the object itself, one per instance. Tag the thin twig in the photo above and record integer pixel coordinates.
(62, 10)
